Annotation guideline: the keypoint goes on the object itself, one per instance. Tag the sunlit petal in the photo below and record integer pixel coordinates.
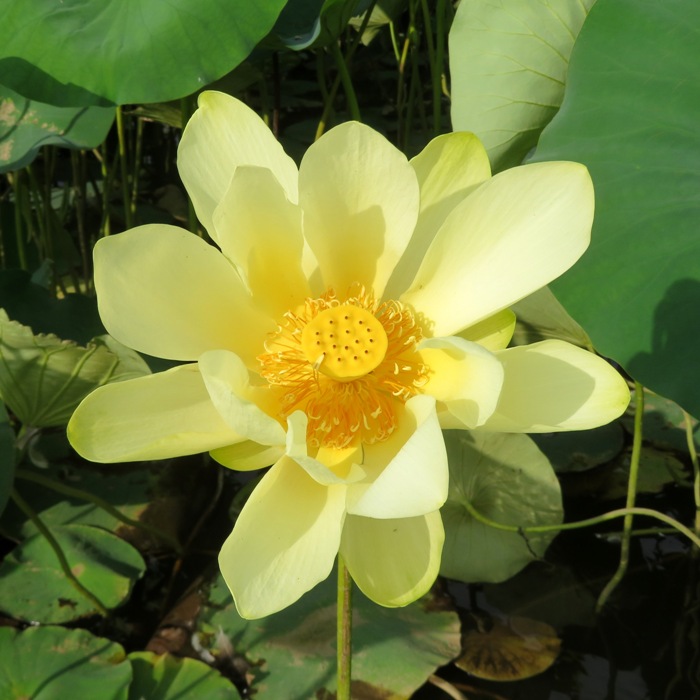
(221, 135)
(448, 168)
(407, 473)
(165, 292)
(284, 541)
(153, 417)
(259, 230)
(395, 561)
(228, 382)
(464, 377)
(493, 333)
(552, 386)
(360, 200)
(509, 237)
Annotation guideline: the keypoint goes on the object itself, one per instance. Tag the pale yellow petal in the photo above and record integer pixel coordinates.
(407, 473)
(228, 382)
(163, 291)
(393, 562)
(247, 455)
(259, 230)
(552, 386)
(284, 541)
(221, 135)
(154, 417)
(331, 466)
(448, 168)
(493, 333)
(509, 237)
(464, 377)
(360, 200)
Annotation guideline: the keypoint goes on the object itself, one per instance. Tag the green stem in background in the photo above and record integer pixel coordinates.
(187, 107)
(53, 543)
(328, 106)
(435, 68)
(137, 165)
(631, 496)
(344, 631)
(350, 95)
(696, 469)
(597, 520)
(18, 187)
(100, 503)
(77, 164)
(124, 166)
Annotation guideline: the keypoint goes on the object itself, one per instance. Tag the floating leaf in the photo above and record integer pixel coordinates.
(508, 62)
(44, 378)
(34, 588)
(165, 677)
(508, 480)
(631, 114)
(293, 651)
(27, 125)
(580, 450)
(46, 663)
(79, 53)
(509, 650)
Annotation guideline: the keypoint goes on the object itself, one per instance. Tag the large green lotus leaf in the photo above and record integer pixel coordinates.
(631, 114)
(506, 478)
(44, 378)
(165, 677)
(508, 62)
(52, 663)
(7, 458)
(77, 53)
(27, 125)
(34, 588)
(293, 651)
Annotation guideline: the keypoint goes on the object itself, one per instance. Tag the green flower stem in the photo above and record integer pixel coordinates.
(328, 106)
(57, 486)
(344, 630)
(631, 495)
(53, 543)
(18, 187)
(137, 165)
(696, 469)
(347, 81)
(435, 63)
(128, 217)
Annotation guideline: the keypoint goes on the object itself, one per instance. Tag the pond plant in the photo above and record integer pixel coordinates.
(279, 308)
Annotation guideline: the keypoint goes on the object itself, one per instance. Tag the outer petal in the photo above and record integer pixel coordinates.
(553, 386)
(259, 230)
(221, 135)
(407, 474)
(448, 168)
(360, 200)
(161, 415)
(465, 377)
(284, 541)
(508, 238)
(228, 382)
(165, 292)
(493, 333)
(247, 455)
(393, 562)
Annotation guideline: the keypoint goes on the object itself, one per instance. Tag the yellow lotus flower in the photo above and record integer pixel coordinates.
(358, 305)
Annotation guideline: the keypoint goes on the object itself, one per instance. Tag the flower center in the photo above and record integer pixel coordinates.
(348, 364)
(344, 342)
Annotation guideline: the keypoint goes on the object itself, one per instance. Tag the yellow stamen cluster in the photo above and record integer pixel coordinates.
(348, 364)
